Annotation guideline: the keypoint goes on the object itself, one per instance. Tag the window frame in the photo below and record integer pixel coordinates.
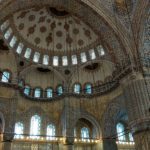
(85, 88)
(29, 89)
(51, 93)
(40, 89)
(19, 135)
(81, 132)
(35, 135)
(53, 135)
(60, 85)
(9, 78)
(80, 91)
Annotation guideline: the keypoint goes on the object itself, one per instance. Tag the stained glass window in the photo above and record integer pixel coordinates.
(121, 132)
(46, 60)
(92, 54)
(36, 57)
(85, 133)
(74, 59)
(13, 41)
(4, 25)
(49, 93)
(77, 88)
(27, 90)
(59, 90)
(5, 77)
(101, 50)
(131, 137)
(88, 88)
(8, 33)
(19, 130)
(37, 92)
(55, 60)
(27, 53)
(83, 57)
(51, 132)
(75, 132)
(35, 126)
(64, 61)
(19, 48)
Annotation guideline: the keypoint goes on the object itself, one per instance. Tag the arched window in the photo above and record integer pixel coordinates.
(60, 90)
(51, 132)
(19, 130)
(77, 88)
(27, 90)
(37, 93)
(85, 133)
(5, 77)
(55, 60)
(121, 132)
(131, 137)
(4, 25)
(83, 57)
(75, 132)
(35, 126)
(46, 60)
(64, 60)
(49, 93)
(8, 33)
(92, 54)
(21, 83)
(13, 41)
(36, 57)
(74, 59)
(27, 53)
(101, 50)
(88, 88)
(19, 48)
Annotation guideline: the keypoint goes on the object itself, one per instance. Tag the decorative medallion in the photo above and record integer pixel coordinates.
(59, 46)
(31, 18)
(75, 31)
(80, 42)
(31, 30)
(42, 19)
(43, 29)
(21, 26)
(37, 40)
(59, 33)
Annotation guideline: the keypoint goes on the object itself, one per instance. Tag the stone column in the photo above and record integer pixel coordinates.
(7, 141)
(68, 128)
(137, 97)
(109, 144)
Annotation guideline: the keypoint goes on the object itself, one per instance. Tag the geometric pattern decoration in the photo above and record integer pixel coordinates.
(47, 30)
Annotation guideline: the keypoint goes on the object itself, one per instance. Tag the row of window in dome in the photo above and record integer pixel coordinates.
(38, 92)
(45, 59)
(35, 130)
(49, 92)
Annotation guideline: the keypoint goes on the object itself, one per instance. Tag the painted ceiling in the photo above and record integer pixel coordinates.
(51, 29)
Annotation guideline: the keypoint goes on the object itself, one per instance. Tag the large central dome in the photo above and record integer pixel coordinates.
(53, 29)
